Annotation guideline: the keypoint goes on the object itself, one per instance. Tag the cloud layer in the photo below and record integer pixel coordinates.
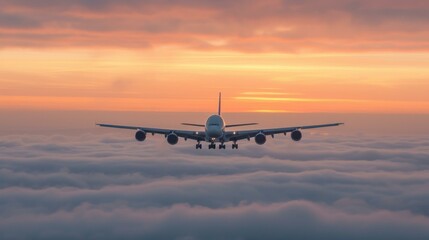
(105, 186)
(274, 25)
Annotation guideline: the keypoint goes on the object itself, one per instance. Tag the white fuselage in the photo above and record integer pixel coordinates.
(215, 128)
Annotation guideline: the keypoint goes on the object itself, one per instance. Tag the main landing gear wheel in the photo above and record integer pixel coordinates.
(234, 146)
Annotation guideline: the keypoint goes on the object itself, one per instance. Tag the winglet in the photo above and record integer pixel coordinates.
(219, 108)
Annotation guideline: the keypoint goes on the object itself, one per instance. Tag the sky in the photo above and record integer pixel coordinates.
(175, 55)
(66, 65)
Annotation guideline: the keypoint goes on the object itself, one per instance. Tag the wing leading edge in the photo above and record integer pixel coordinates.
(228, 136)
(247, 134)
(195, 135)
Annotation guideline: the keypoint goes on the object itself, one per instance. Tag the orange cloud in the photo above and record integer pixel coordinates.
(293, 56)
(247, 26)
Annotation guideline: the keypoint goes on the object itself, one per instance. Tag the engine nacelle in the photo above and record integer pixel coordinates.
(260, 138)
(140, 135)
(296, 135)
(172, 139)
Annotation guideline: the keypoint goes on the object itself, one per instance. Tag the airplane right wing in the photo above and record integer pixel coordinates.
(247, 134)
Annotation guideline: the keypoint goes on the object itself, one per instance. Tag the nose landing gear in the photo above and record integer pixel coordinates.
(222, 146)
(234, 146)
(198, 146)
(212, 146)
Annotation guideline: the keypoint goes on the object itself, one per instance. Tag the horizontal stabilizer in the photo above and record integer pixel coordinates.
(193, 124)
(240, 125)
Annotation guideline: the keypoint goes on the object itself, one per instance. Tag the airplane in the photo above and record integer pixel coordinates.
(215, 132)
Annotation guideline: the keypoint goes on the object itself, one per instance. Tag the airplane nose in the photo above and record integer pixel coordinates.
(214, 132)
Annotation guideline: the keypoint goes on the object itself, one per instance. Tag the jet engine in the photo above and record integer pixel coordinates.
(260, 138)
(172, 138)
(296, 135)
(140, 135)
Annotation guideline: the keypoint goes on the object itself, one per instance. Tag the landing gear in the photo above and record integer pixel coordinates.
(198, 146)
(234, 146)
(212, 146)
(222, 146)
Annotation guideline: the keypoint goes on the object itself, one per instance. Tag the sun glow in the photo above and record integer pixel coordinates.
(174, 79)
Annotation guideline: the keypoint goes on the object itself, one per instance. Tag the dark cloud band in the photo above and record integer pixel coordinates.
(254, 26)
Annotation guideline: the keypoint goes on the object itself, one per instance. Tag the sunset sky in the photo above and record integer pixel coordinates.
(68, 64)
(265, 56)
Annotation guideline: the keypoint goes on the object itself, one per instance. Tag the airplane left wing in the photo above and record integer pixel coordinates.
(195, 135)
(247, 134)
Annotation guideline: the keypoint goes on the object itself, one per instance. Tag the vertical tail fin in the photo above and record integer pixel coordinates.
(220, 98)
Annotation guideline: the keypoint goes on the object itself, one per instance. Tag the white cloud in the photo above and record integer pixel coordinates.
(107, 186)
